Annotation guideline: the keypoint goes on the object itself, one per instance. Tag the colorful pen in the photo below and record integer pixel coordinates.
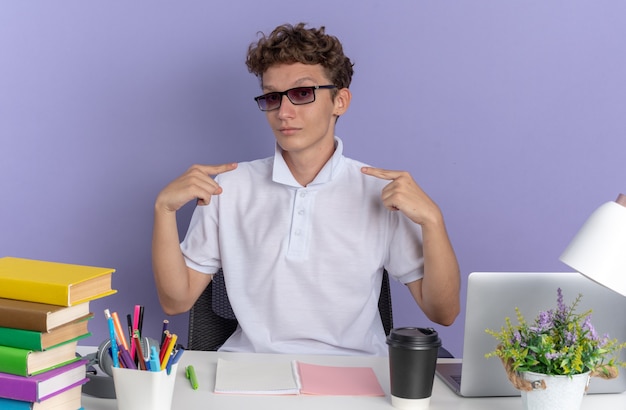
(114, 351)
(140, 321)
(179, 353)
(128, 362)
(129, 321)
(118, 330)
(190, 373)
(154, 359)
(176, 355)
(135, 326)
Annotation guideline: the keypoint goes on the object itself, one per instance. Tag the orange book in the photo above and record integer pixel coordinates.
(53, 283)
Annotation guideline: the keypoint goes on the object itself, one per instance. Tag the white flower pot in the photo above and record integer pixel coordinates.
(561, 393)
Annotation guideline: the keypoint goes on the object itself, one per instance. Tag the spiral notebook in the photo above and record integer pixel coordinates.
(492, 296)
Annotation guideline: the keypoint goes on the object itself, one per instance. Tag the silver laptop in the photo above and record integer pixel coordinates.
(492, 296)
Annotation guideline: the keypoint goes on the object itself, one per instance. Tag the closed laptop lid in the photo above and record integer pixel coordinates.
(493, 296)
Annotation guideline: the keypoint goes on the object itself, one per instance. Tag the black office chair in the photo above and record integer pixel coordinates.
(212, 321)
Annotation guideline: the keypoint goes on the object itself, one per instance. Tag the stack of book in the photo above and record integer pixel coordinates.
(44, 312)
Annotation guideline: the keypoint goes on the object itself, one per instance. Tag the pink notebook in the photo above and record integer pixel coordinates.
(338, 381)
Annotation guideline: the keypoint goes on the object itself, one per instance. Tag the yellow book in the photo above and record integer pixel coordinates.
(53, 283)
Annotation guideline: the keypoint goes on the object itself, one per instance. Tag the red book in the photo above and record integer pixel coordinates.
(43, 385)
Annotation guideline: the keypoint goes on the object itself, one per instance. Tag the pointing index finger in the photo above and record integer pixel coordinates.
(381, 173)
(217, 169)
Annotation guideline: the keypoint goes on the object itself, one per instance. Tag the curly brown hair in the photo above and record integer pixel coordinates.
(289, 44)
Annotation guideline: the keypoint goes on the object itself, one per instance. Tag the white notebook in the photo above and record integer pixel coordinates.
(246, 377)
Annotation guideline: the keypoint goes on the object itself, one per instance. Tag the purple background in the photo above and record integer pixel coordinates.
(511, 115)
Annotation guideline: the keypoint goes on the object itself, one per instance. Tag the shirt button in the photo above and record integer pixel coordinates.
(302, 194)
(301, 212)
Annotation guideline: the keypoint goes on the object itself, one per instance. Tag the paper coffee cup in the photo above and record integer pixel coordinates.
(412, 361)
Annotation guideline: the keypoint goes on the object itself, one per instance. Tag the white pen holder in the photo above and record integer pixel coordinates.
(144, 390)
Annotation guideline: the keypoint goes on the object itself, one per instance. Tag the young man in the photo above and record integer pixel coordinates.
(303, 236)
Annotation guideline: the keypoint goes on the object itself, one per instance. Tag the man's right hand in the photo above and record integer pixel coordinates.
(196, 183)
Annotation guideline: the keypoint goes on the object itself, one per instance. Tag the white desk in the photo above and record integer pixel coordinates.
(185, 398)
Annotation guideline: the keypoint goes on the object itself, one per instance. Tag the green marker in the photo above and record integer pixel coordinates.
(190, 373)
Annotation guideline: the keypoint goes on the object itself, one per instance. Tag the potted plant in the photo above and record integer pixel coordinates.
(561, 348)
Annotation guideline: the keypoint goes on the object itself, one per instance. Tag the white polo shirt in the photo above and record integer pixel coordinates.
(303, 265)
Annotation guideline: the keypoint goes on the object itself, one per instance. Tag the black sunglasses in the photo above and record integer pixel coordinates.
(297, 96)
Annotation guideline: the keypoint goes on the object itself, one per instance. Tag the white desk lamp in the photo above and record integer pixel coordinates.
(598, 250)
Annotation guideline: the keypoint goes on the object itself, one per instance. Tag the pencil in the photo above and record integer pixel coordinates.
(136, 316)
(166, 324)
(168, 353)
(140, 362)
(164, 346)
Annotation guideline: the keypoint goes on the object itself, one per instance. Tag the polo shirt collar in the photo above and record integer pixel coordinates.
(282, 175)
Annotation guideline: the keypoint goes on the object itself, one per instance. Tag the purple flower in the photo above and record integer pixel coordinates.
(552, 356)
(604, 341)
(543, 322)
(587, 326)
(559, 301)
(517, 337)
